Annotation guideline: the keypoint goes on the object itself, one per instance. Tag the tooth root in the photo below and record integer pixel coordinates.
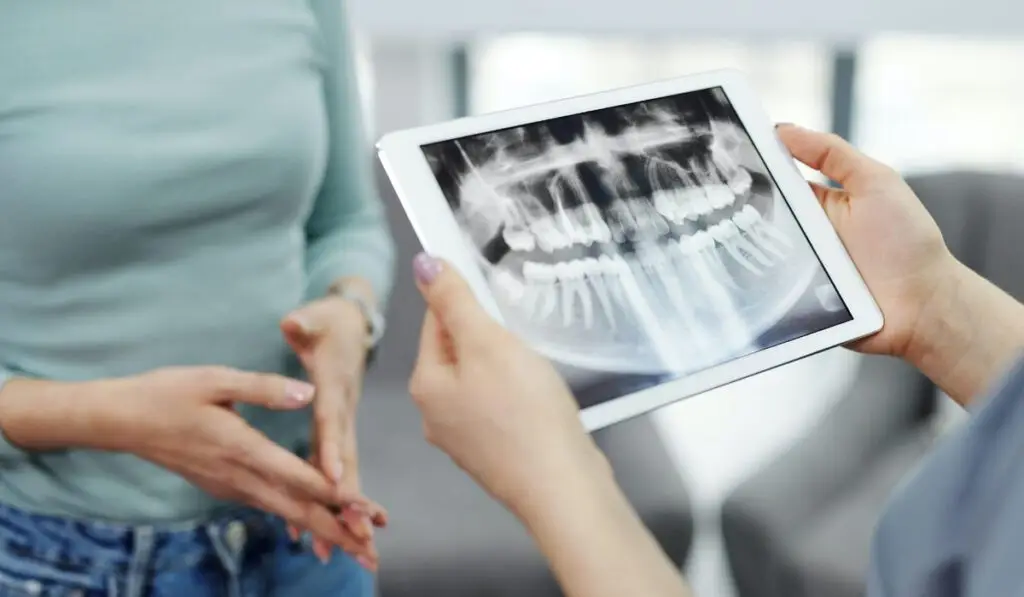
(548, 302)
(611, 268)
(597, 229)
(736, 235)
(767, 227)
(674, 288)
(528, 306)
(706, 262)
(562, 274)
(704, 248)
(592, 269)
(577, 273)
(741, 258)
(745, 222)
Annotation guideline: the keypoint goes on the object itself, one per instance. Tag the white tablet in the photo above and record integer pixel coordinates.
(654, 242)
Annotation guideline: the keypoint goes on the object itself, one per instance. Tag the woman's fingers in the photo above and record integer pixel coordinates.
(453, 304)
(833, 156)
(299, 477)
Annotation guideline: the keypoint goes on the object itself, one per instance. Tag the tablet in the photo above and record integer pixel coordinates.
(653, 242)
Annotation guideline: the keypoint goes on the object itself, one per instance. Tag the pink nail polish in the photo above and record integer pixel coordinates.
(297, 392)
(425, 268)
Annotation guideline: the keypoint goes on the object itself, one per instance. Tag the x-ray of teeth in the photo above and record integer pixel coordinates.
(636, 244)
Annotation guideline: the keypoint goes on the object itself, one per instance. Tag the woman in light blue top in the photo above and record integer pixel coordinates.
(188, 229)
(955, 530)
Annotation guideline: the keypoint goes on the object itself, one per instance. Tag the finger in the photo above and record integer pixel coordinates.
(828, 195)
(298, 513)
(304, 326)
(452, 302)
(435, 343)
(833, 156)
(330, 416)
(296, 475)
(261, 389)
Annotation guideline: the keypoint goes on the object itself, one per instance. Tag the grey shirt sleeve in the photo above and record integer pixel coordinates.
(962, 510)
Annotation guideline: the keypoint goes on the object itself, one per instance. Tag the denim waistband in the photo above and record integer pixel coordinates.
(119, 547)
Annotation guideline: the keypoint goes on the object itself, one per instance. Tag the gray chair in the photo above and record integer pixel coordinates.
(802, 525)
(447, 537)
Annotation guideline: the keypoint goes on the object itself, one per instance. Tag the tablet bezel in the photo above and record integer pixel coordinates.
(401, 154)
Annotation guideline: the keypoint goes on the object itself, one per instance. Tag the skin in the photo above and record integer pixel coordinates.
(183, 419)
(504, 415)
(329, 337)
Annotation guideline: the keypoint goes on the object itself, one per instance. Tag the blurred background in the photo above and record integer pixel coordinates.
(770, 486)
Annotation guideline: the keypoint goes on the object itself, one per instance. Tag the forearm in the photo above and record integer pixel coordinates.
(968, 335)
(45, 415)
(595, 542)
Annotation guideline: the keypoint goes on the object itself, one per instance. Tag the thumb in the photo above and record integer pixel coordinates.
(833, 156)
(450, 299)
(303, 326)
(259, 389)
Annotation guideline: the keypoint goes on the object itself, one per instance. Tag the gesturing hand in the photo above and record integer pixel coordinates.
(183, 419)
(889, 234)
(329, 338)
(498, 409)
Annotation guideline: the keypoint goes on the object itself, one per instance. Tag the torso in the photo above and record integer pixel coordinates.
(157, 163)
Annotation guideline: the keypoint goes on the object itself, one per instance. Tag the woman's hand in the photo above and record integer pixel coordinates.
(329, 337)
(949, 322)
(893, 240)
(501, 411)
(507, 418)
(183, 419)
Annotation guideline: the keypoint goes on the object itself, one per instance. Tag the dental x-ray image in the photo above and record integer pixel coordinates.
(635, 244)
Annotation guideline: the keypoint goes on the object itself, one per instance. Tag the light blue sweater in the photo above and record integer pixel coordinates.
(174, 178)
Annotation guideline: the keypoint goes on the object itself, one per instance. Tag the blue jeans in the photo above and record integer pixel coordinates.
(247, 554)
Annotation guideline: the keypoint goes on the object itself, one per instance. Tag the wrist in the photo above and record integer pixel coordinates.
(39, 415)
(938, 322)
(563, 486)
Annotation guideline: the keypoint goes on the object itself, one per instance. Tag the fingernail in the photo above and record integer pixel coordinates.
(293, 533)
(299, 392)
(337, 471)
(304, 326)
(425, 268)
(781, 124)
(365, 562)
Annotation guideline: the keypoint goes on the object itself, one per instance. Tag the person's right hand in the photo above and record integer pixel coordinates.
(184, 420)
(892, 239)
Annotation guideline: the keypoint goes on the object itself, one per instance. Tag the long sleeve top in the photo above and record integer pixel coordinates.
(175, 177)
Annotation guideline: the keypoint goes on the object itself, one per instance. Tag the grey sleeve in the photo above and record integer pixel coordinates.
(957, 507)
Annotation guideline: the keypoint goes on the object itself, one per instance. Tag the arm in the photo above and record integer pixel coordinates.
(967, 335)
(348, 237)
(593, 539)
(48, 415)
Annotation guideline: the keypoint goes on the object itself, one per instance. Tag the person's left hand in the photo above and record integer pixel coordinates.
(329, 337)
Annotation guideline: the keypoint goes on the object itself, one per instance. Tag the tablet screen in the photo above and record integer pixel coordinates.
(635, 244)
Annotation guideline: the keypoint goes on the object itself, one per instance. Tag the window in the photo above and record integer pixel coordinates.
(933, 102)
(793, 78)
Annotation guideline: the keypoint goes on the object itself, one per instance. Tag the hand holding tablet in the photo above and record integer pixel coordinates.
(652, 242)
